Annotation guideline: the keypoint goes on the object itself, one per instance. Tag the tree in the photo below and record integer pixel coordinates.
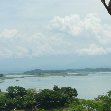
(2, 102)
(108, 7)
(6, 104)
(14, 91)
(15, 97)
(86, 105)
(30, 99)
(1, 75)
(57, 97)
(56, 88)
(70, 92)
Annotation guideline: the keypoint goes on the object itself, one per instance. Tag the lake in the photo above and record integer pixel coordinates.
(88, 87)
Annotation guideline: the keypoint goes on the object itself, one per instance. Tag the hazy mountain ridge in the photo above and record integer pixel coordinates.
(85, 70)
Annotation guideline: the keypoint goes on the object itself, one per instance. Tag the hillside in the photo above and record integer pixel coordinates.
(67, 71)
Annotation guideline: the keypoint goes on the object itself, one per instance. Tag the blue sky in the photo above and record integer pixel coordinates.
(54, 34)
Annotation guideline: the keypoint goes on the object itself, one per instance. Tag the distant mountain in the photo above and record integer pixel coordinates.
(95, 70)
(86, 70)
(45, 71)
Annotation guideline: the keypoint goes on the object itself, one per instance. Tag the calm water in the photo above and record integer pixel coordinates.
(88, 87)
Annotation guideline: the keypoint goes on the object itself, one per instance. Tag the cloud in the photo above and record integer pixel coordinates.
(34, 45)
(69, 35)
(8, 33)
(75, 25)
(91, 35)
(93, 49)
(70, 24)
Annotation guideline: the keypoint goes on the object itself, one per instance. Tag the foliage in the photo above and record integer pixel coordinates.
(20, 98)
(15, 91)
(1, 75)
(54, 100)
(57, 97)
(86, 105)
(2, 102)
(30, 99)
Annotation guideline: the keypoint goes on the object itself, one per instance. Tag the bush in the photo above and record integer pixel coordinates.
(20, 98)
(15, 91)
(57, 97)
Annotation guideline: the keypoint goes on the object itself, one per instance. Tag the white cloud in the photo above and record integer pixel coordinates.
(95, 34)
(34, 45)
(69, 35)
(8, 33)
(70, 24)
(5, 52)
(92, 23)
(76, 26)
(92, 49)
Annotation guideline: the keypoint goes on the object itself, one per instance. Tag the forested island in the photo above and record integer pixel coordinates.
(1, 75)
(67, 72)
(75, 72)
(58, 99)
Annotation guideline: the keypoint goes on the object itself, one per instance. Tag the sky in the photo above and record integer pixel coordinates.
(54, 34)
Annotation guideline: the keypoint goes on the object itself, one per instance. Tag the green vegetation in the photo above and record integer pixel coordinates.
(19, 98)
(1, 75)
(67, 72)
(58, 99)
